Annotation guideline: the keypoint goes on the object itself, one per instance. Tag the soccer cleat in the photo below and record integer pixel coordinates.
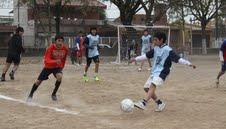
(3, 78)
(140, 104)
(54, 97)
(160, 107)
(217, 83)
(149, 69)
(11, 75)
(85, 78)
(96, 78)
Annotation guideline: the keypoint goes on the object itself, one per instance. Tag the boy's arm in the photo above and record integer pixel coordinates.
(144, 57)
(221, 52)
(77, 43)
(177, 59)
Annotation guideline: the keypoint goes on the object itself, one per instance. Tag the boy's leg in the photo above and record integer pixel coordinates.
(11, 74)
(223, 69)
(16, 61)
(42, 76)
(5, 69)
(149, 62)
(58, 77)
(88, 62)
(141, 66)
(97, 61)
(33, 89)
(149, 88)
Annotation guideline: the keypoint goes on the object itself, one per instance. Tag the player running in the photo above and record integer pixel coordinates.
(222, 55)
(15, 49)
(146, 46)
(92, 53)
(162, 56)
(80, 46)
(54, 61)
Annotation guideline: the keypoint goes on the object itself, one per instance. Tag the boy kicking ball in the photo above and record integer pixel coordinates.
(54, 61)
(163, 56)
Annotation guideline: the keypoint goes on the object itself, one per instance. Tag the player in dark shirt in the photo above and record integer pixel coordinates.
(222, 55)
(15, 49)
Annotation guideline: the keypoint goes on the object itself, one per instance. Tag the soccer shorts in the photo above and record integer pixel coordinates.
(157, 81)
(44, 75)
(89, 60)
(15, 58)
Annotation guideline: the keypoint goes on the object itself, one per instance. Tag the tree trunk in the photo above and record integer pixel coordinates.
(204, 51)
(149, 20)
(49, 22)
(58, 9)
(126, 19)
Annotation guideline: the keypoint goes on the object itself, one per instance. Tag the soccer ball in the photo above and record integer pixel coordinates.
(127, 105)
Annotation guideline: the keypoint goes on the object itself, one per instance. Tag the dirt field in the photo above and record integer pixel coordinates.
(192, 101)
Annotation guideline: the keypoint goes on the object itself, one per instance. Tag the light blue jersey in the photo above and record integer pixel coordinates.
(145, 41)
(93, 41)
(162, 60)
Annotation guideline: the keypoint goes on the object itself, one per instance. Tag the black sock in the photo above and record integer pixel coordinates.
(3, 74)
(144, 102)
(158, 102)
(34, 88)
(57, 85)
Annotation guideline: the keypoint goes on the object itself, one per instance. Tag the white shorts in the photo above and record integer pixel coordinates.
(153, 80)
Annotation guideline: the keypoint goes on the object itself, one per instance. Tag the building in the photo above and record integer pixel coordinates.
(39, 26)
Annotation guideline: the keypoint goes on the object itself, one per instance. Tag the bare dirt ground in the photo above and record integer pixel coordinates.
(193, 101)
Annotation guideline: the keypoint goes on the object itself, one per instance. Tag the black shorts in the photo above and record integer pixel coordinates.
(89, 60)
(44, 75)
(15, 58)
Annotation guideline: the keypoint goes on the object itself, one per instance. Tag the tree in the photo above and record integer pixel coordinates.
(179, 10)
(150, 5)
(127, 8)
(204, 11)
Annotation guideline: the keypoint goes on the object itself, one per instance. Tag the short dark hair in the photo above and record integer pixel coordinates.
(93, 28)
(80, 32)
(160, 35)
(59, 37)
(146, 30)
(19, 29)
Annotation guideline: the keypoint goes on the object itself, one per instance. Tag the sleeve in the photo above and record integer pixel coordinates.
(184, 62)
(221, 56)
(141, 58)
(174, 57)
(48, 59)
(150, 38)
(98, 44)
(150, 54)
(223, 46)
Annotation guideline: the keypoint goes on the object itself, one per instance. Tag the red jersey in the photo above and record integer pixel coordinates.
(53, 55)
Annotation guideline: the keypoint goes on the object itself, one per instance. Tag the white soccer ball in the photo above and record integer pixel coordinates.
(127, 105)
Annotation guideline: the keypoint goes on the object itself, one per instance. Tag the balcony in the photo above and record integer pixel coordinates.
(76, 22)
(6, 20)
